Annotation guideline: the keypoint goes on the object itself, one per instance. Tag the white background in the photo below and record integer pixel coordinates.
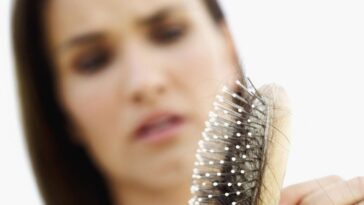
(313, 48)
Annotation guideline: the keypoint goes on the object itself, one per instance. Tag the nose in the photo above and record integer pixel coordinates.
(146, 81)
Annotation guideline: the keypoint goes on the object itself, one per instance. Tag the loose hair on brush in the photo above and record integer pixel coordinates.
(242, 152)
(64, 172)
(231, 155)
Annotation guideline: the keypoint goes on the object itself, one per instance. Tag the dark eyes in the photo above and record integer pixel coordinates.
(93, 60)
(167, 34)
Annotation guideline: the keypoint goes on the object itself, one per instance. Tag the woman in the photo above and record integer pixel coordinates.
(114, 95)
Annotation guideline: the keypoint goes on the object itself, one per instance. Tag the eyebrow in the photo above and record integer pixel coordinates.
(159, 15)
(155, 17)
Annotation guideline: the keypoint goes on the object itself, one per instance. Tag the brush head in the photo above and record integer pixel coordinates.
(231, 160)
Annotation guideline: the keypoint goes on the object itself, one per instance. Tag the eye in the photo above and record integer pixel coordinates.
(168, 33)
(93, 60)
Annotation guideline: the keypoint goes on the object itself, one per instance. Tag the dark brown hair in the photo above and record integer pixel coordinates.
(64, 172)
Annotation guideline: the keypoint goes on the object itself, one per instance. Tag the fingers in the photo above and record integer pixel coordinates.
(278, 143)
(294, 194)
(340, 193)
(329, 190)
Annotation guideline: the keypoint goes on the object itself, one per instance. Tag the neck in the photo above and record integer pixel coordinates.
(138, 195)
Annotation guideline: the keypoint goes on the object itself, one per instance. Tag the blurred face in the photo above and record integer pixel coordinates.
(137, 79)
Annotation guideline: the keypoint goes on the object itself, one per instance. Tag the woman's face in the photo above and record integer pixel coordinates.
(137, 79)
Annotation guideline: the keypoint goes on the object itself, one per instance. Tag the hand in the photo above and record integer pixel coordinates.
(331, 190)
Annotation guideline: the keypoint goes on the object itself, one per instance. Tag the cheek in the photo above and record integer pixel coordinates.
(95, 109)
(203, 60)
(200, 66)
(89, 103)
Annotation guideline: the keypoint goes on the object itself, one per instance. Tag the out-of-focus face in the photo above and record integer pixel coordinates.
(137, 79)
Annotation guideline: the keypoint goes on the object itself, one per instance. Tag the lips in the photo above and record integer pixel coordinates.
(159, 127)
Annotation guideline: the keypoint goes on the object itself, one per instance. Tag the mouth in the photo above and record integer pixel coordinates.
(159, 127)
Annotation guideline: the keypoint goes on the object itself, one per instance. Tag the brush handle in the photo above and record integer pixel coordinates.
(278, 144)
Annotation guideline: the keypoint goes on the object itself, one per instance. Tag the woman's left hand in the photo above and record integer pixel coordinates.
(331, 190)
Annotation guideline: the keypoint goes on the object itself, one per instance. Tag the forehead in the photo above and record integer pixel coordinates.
(111, 7)
(65, 18)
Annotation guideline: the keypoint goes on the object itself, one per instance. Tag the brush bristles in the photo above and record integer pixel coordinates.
(231, 153)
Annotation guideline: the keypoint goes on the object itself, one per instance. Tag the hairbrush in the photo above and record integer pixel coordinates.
(242, 152)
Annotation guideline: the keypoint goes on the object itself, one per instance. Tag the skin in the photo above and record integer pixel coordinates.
(331, 190)
(117, 61)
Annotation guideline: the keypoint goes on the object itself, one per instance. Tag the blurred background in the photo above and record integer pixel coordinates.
(313, 48)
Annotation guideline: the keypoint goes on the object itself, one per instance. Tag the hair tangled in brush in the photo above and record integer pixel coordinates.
(232, 161)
